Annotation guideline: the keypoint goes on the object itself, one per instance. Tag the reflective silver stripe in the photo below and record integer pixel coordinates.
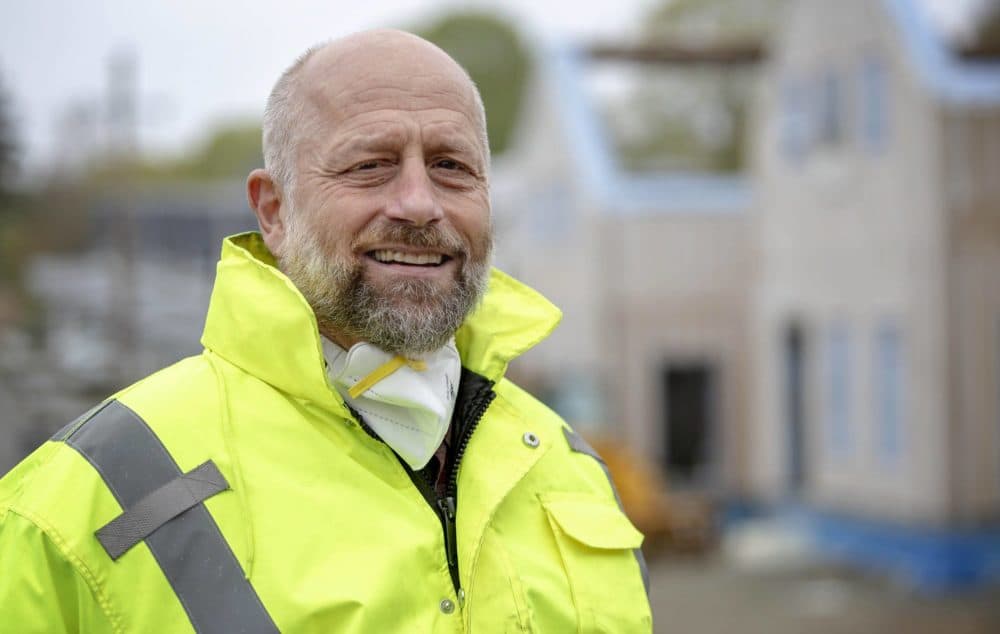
(162, 505)
(190, 549)
(71, 427)
(579, 445)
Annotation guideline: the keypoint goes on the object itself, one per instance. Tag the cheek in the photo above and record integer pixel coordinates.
(339, 223)
(472, 212)
(480, 225)
(478, 231)
(333, 242)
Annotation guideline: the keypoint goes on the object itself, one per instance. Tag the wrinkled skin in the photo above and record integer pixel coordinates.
(389, 163)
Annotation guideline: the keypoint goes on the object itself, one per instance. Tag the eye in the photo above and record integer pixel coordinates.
(449, 164)
(370, 171)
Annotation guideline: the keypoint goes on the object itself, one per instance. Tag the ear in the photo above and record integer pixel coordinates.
(265, 200)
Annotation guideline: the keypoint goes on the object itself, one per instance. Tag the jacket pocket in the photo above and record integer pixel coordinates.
(595, 541)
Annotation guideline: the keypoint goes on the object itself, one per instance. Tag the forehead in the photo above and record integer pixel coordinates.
(391, 130)
(385, 79)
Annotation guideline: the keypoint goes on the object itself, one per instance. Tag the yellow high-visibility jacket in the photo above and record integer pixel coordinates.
(235, 492)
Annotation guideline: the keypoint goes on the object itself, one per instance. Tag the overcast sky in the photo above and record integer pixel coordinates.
(201, 61)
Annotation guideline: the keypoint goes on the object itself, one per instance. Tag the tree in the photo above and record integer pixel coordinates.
(695, 117)
(984, 41)
(717, 21)
(231, 150)
(490, 49)
(8, 146)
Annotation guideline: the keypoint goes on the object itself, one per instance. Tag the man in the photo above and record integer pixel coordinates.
(345, 456)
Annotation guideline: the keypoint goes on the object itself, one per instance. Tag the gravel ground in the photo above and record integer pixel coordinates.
(708, 596)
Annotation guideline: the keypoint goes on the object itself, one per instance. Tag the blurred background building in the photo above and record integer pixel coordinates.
(877, 310)
(773, 227)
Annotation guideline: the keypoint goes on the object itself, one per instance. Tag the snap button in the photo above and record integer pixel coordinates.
(447, 606)
(530, 439)
(461, 596)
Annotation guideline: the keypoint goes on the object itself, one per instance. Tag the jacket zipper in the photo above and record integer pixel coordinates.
(448, 505)
(445, 507)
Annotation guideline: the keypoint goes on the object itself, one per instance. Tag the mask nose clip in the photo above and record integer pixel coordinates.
(382, 371)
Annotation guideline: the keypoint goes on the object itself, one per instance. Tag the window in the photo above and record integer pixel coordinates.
(795, 405)
(874, 103)
(831, 114)
(552, 220)
(794, 120)
(838, 401)
(888, 394)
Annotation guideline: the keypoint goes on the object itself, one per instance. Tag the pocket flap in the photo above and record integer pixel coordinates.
(593, 522)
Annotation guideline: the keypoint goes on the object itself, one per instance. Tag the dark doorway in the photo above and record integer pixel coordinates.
(689, 410)
(794, 351)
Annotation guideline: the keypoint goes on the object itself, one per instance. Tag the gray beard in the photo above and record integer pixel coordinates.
(408, 317)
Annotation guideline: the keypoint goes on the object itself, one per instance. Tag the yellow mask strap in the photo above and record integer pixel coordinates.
(383, 371)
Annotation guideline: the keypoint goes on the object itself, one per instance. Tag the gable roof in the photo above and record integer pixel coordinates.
(952, 79)
(616, 190)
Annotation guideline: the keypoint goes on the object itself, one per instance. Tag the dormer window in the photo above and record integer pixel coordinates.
(794, 120)
(831, 111)
(874, 103)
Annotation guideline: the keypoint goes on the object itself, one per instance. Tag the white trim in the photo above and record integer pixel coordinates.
(952, 79)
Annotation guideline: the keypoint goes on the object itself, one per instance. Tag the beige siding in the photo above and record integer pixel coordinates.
(678, 292)
(970, 178)
(851, 238)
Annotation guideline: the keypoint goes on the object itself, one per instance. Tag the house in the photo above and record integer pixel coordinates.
(653, 274)
(818, 335)
(877, 303)
(133, 299)
(130, 301)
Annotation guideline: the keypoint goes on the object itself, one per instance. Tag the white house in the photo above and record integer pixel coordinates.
(877, 306)
(653, 273)
(821, 334)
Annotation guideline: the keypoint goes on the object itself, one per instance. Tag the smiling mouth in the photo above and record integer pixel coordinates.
(388, 256)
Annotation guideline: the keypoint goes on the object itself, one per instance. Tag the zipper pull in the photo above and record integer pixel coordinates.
(447, 506)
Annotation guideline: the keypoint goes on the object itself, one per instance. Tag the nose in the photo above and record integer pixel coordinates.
(415, 201)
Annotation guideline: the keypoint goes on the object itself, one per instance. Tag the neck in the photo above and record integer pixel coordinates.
(344, 341)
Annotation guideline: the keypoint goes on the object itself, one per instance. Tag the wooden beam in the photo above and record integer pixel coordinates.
(748, 54)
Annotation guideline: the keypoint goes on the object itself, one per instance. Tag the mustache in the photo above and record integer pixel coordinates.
(419, 237)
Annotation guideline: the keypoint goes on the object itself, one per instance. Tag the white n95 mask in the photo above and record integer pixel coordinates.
(407, 402)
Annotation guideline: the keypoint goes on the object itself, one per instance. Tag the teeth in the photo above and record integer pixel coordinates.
(385, 255)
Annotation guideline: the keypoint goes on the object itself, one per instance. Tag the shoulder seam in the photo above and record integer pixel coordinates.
(50, 533)
(132, 387)
(63, 434)
(49, 447)
(554, 419)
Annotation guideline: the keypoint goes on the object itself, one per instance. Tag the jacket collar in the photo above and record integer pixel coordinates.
(260, 322)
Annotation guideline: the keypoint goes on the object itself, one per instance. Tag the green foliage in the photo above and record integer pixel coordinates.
(491, 51)
(717, 21)
(10, 216)
(33, 222)
(693, 118)
(231, 151)
(8, 146)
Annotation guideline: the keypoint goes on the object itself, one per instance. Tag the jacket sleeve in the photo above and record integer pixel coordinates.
(40, 590)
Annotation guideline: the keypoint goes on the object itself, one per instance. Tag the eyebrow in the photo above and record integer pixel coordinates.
(387, 137)
(451, 141)
(375, 140)
(451, 146)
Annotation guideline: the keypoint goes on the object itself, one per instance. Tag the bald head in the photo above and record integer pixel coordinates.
(322, 82)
